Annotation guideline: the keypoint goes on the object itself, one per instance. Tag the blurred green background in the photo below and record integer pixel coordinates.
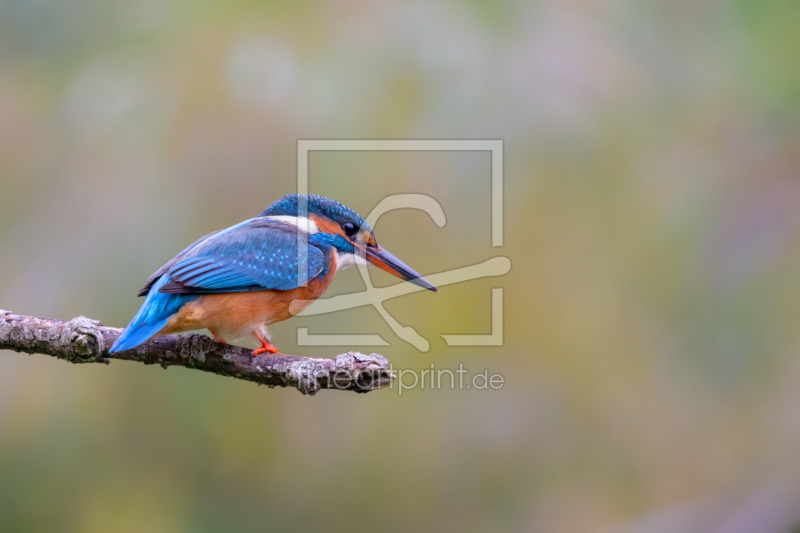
(652, 218)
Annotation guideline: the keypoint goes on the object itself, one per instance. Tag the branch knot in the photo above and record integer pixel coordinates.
(84, 340)
(372, 371)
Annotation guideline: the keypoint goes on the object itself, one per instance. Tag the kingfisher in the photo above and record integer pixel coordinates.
(237, 281)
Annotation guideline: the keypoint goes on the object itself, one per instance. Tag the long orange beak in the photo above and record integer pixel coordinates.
(382, 259)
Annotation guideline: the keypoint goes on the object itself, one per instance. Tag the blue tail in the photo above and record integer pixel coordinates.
(152, 316)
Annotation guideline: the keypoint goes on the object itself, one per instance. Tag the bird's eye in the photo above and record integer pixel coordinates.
(350, 229)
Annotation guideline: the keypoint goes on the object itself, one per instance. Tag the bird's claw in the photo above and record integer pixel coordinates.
(266, 347)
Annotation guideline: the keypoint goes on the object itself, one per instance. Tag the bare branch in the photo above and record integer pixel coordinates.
(82, 340)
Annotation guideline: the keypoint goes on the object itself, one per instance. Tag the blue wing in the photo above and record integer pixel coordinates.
(258, 254)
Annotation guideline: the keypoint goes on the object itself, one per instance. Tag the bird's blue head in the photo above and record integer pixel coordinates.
(318, 208)
(339, 226)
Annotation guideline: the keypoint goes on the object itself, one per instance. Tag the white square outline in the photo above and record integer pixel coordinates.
(494, 146)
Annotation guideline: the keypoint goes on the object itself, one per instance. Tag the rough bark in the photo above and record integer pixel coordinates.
(82, 340)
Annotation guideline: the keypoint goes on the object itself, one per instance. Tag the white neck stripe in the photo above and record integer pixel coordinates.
(306, 225)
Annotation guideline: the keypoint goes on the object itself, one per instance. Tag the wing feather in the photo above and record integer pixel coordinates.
(255, 255)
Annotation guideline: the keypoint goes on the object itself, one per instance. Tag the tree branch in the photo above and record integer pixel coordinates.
(82, 340)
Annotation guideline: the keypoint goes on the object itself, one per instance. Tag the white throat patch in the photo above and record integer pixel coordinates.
(348, 260)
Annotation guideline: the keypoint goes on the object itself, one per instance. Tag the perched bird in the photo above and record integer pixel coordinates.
(237, 281)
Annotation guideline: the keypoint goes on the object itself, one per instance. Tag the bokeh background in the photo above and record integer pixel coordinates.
(652, 211)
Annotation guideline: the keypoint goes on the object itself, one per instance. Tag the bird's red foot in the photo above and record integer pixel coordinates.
(266, 347)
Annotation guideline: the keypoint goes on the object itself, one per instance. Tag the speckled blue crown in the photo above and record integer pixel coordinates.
(287, 206)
